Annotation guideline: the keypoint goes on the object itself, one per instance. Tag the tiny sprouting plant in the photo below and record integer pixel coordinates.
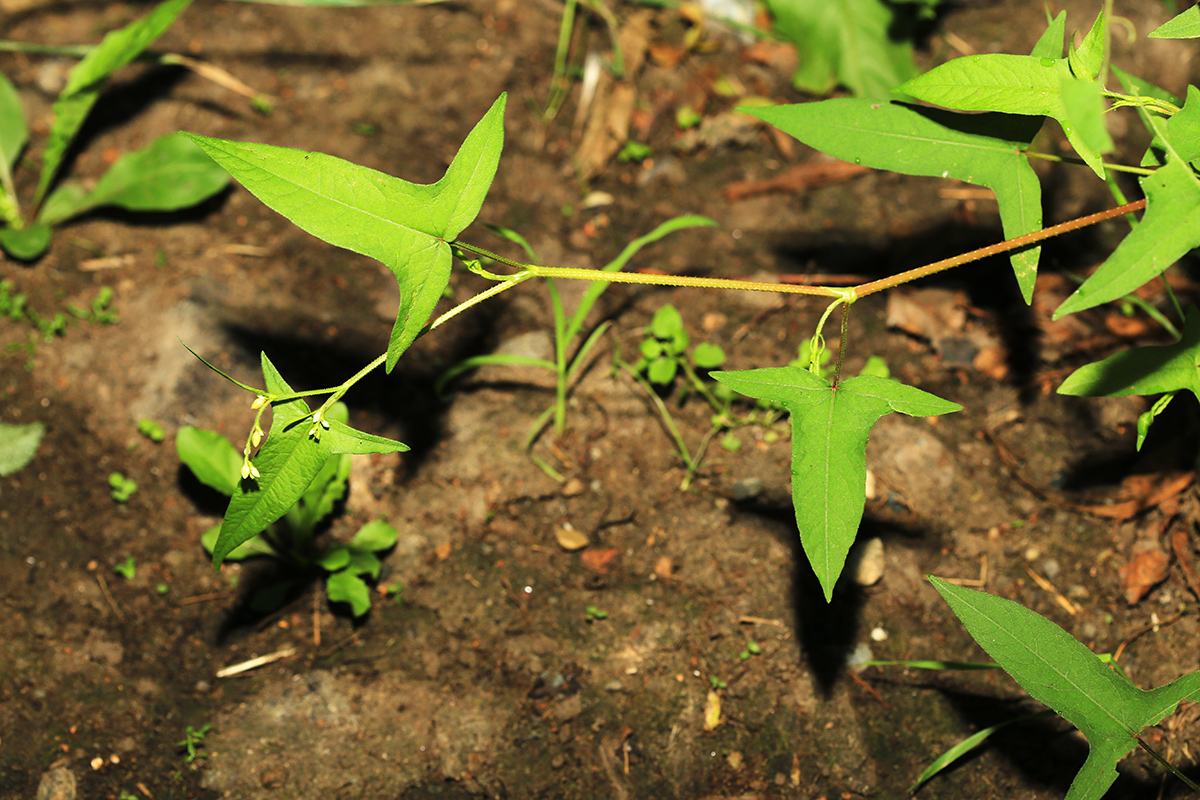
(121, 488)
(168, 174)
(752, 648)
(192, 741)
(151, 430)
(292, 540)
(595, 613)
(572, 349)
(127, 569)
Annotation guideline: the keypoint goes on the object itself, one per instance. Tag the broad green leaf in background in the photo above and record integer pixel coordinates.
(1059, 671)
(1183, 26)
(405, 225)
(1168, 230)
(375, 535)
(983, 149)
(1143, 370)
(847, 42)
(346, 587)
(18, 445)
(86, 79)
(168, 174)
(1010, 84)
(211, 458)
(13, 131)
(1183, 128)
(288, 462)
(829, 441)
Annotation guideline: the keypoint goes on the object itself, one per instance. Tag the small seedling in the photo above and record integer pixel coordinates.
(634, 152)
(162, 589)
(121, 488)
(217, 464)
(752, 648)
(127, 569)
(151, 430)
(594, 613)
(716, 683)
(98, 310)
(193, 739)
(168, 174)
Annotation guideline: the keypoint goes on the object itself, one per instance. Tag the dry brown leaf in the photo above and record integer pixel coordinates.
(796, 178)
(1182, 546)
(933, 314)
(442, 551)
(1128, 327)
(1142, 574)
(712, 710)
(663, 568)
(598, 559)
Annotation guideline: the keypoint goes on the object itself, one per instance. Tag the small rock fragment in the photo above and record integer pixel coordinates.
(870, 563)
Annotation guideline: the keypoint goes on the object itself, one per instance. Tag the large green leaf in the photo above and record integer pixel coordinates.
(1143, 370)
(830, 425)
(1168, 230)
(326, 489)
(405, 225)
(86, 79)
(1059, 671)
(983, 149)
(288, 461)
(848, 42)
(1015, 84)
(1181, 26)
(168, 174)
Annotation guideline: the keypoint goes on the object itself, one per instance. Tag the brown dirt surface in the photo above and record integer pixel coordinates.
(485, 675)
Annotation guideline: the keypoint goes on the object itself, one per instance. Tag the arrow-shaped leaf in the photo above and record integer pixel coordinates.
(983, 149)
(1143, 370)
(830, 425)
(405, 225)
(1169, 229)
(1059, 671)
(288, 461)
(1010, 84)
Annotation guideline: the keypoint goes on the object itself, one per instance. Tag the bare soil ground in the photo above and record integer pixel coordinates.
(489, 678)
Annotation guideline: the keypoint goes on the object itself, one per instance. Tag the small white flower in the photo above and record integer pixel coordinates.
(259, 402)
(245, 470)
(256, 436)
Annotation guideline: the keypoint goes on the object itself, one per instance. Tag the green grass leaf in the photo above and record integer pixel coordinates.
(1009, 84)
(211, 458)
(288, 461)
(18, 445)
(984, 149)
(847, 42)
(1059, 671)
(1182, 26)
(405, 225)
(13, 130)
(829, 441)
(168, 174)
(1143, 370)
(1168, 230)
(86, 80)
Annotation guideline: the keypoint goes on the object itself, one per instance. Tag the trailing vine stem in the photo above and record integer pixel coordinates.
(842, 296)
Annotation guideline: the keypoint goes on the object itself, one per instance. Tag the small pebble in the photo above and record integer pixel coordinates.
(870, 563)
(614, 686)
(747, 488)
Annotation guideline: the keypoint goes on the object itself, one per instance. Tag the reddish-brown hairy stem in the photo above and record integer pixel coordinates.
(994, 249)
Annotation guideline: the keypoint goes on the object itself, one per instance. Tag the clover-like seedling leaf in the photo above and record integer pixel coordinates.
(211, 458)
(288, 462)
(18, 445)
(984, 149)
(407, 226)
(830, 425)
(345, 586)
(1056, 669)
